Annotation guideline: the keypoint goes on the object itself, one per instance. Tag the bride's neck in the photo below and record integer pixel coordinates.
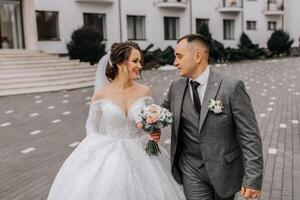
(121, 83)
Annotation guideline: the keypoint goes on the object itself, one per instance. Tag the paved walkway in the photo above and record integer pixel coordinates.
(39, 131)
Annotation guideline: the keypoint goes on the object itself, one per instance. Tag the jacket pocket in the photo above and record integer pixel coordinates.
(233, 155)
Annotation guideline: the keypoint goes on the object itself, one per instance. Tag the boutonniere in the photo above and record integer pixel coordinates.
(216, 106)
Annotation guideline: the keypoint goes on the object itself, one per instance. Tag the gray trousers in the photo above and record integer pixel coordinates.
(196, 183)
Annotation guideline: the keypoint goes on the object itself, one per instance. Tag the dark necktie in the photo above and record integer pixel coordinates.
(196, 98)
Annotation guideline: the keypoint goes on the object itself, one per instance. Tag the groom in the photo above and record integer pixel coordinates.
(216, 148)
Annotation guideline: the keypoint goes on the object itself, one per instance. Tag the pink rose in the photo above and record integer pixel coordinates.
(149, 120)
(152, 109)
(139, 125)
(154, 116)
(218, 103)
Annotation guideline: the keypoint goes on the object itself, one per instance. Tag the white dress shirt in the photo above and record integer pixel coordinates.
(202, 79)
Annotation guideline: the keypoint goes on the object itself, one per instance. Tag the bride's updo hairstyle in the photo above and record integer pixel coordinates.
(120, 53)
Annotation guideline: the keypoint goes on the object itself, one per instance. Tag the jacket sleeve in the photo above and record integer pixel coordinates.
(248, 136)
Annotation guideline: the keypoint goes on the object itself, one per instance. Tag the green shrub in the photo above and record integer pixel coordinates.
(158, 57)
(279, 42)
(86, 45)
(204, 30)
(217, 51)
(248, 49)
(246, 43)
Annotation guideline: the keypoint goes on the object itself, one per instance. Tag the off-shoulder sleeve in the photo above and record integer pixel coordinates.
(93, 120)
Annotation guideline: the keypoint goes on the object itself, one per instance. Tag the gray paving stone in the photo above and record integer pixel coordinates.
(29, 176)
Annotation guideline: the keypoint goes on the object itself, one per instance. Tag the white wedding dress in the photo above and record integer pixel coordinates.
(111, 163)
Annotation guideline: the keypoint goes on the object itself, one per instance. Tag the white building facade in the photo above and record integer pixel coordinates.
(48, 24)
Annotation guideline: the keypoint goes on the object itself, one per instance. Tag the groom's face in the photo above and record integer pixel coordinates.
(184, 58)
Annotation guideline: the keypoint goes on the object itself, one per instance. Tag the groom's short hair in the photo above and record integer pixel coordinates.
(195, 37)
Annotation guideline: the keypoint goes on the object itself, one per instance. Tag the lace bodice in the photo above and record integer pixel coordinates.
(108, 118)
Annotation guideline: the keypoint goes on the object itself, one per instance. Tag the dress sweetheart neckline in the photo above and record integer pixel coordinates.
(118, 105)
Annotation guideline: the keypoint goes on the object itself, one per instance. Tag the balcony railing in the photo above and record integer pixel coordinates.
(177, 4)
(96, 1)
(275, 7)
(230, 6)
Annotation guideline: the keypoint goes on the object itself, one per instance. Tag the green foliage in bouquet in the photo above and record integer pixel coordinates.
(152, 119)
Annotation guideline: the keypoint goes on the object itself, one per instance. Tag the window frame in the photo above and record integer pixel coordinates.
(104, 28)
(250, 28)
(57, 26)
(233, 34)
(275, 27)
(177, 23)
(144, 36)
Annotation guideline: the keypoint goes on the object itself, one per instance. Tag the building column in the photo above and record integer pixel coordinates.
(29, 24)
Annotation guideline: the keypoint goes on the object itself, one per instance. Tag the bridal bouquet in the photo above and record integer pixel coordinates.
(152, 119)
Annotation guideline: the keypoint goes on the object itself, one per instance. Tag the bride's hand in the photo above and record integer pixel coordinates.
(155, 136)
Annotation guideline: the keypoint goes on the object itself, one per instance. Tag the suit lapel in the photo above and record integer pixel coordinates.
(181, 89)
(212, 88)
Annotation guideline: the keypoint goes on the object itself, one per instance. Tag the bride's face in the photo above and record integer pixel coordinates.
(133, 64)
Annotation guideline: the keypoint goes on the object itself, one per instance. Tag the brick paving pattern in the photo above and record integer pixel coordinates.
(39, 131)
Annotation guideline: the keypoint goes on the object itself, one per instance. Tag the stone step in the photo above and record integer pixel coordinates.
(31, 71)
(33, 80)
(11, 78)
(46, 88)
(25, 55)
(61, 67)
(46, 83)
(33, 62)
(30, 58)
(53, 66)
(21, 51)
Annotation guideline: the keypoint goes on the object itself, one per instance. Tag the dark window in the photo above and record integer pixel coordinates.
(199, 23)
(251, 25)
(171, 25)
(272, 26)
(228, 26)
(47, 25)
(136, 29)
(95, 22)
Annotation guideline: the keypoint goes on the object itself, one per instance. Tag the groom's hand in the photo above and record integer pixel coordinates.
(155, 136)
(249, 193)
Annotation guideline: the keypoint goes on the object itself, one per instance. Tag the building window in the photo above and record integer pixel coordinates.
(199, 23)
(136, 29)
(272, 26)
(47, 25)
(251, 25)
(228, 26)
(95, 22)
(272, 1)
(171, 0)
(171, 25)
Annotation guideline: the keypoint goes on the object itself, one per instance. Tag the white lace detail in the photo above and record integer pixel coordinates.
(108, 118)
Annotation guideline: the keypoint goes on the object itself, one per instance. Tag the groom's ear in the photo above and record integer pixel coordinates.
(198, 56)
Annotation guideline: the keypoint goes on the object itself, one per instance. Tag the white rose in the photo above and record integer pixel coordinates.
(162, 117)
(218, 109)
(212, 103)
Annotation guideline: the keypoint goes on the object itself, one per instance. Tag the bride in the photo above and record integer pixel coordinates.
(111, 163)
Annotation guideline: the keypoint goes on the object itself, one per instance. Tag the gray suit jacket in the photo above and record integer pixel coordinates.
(230, 142)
